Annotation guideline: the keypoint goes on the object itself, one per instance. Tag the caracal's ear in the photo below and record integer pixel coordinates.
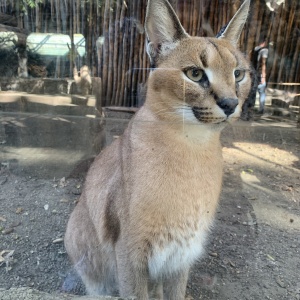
(236, 24)
(162, 27)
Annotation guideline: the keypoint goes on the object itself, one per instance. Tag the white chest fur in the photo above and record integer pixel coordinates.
(179, 253)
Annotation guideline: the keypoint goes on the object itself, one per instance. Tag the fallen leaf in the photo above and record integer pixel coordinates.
(270, 257)
(15, 236)
(19, 210)
(5, 255)
(232, 264)
(64, 200)
(8, 258)
(62, 182)
(280, 282)
(59, 240)
(287, 188)
(7, 231)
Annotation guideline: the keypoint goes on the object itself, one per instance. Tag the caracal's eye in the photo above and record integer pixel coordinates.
(195, 74)
(239, 75)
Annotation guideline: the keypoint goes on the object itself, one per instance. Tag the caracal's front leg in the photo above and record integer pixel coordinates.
(175, 285)
(133, 278)
(157, 290)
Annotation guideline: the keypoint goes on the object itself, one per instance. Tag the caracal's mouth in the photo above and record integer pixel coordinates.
(206, 115)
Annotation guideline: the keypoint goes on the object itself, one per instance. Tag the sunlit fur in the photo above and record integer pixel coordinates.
(84, 81)
(149, 199)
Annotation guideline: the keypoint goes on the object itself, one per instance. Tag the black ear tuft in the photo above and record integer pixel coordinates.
(221, 31)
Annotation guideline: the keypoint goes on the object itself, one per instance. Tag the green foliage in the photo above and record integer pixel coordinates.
(29, 3)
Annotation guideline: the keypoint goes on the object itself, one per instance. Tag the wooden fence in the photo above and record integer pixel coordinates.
(119, 57)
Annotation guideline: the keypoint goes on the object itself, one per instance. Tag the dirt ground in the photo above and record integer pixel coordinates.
(253, 250)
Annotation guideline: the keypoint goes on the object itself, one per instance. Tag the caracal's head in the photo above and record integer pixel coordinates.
(195, 79)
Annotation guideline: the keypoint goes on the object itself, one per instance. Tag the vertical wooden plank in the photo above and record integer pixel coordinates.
(131, 53)
(78, 11)
(71, 34)
(121, 26)
(297, 77)
(125, 58)
(287, 41)
(252, 27)
(89, 35)
(199, 15)
(190, 17)
(294, 75)
(277, 46)
(135, 48)
(210, 15)
(110, 53)
(145, 65)
(58, 30)
(185, 14)
(141, 38)
(117, 6)
(38, 23)
(105, 51)
(215, 12)
(100, 47)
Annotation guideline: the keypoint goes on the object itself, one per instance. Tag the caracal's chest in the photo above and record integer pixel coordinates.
(179, 253)
(183, 186)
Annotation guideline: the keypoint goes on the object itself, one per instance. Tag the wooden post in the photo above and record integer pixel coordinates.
(110, 53)
(105, 50)
(117, 34)
(119, 69)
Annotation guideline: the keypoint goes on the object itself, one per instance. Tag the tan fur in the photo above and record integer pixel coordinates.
(150, 198)
(83, 81)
